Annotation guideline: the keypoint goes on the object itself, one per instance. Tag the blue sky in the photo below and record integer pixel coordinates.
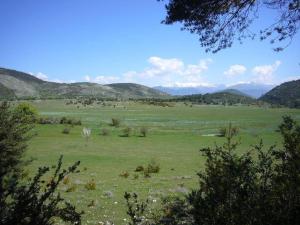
(124, 41)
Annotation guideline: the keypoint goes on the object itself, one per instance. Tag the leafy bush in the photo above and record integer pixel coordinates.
(65, 120)
(115, 122)
(230, 131)
(126, 132)
(47, 120)
(90, 185)
(143, 131)
(124, 174)
(153, 167)
(25, 202)
(27, 112)
(139, 169)
(135, 209)
(66, 130)
(261, 186)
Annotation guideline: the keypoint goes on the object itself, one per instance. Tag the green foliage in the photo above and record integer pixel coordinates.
(126, 132)
(219, 98)
(230, 131)
(27, 112)
(90, 185)
(135, 209)
(139, 169)
(143, 131)
(26, 202)
(14, 133)
(286, 94)
(219, 23)
(35, 203)
(65, 120)
(124, 174)
(115, 122)
(152, 167)
(66, 130)
(257, 187)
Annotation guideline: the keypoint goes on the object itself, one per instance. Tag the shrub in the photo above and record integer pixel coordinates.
(115, 122)
(47, 120)
(69, 121)
(126, 132)
(27, 112)
(66, 130)
(230, 131)
(222, 132)
(153, 167)
(90, 185)
(139, 169)
(124, 174)
(63, 120)
(147, 174)
(104, 132)
(143, 131)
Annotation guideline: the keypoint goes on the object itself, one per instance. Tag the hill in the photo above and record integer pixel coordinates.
(255, 90)
(219, 98)
(286, 94)
(235, 92)
(22, 85)
(189, 90)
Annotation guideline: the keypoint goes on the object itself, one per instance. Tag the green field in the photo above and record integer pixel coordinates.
(175, 136)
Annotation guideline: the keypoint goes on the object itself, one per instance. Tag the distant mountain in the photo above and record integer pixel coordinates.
(286, 94)
(189, 90)
(254, 90)
(220, 98)
(234, 91)
(22, 85)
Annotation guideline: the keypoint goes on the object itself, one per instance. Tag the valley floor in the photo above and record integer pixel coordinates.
(175, 135)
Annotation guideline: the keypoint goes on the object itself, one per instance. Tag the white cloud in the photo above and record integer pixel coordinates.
(235, 70)
(266, 69)
(161, 65)
(172, 72)
(58, 81)
(106, 79)
(169, 72)
(101, 79)
(189, 84)
(264, 73)
(40, 75)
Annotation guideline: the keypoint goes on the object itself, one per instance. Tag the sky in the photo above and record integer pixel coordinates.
(124, 41)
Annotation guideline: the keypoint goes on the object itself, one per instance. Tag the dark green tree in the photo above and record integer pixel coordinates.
(219, 22)
(27, 202)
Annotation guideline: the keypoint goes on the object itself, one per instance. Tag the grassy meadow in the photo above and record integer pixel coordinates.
(175, 135)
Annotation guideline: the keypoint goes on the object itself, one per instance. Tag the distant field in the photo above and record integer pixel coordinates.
(175, 136)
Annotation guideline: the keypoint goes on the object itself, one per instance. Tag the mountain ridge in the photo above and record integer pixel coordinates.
(16, 84)
(285, 94)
